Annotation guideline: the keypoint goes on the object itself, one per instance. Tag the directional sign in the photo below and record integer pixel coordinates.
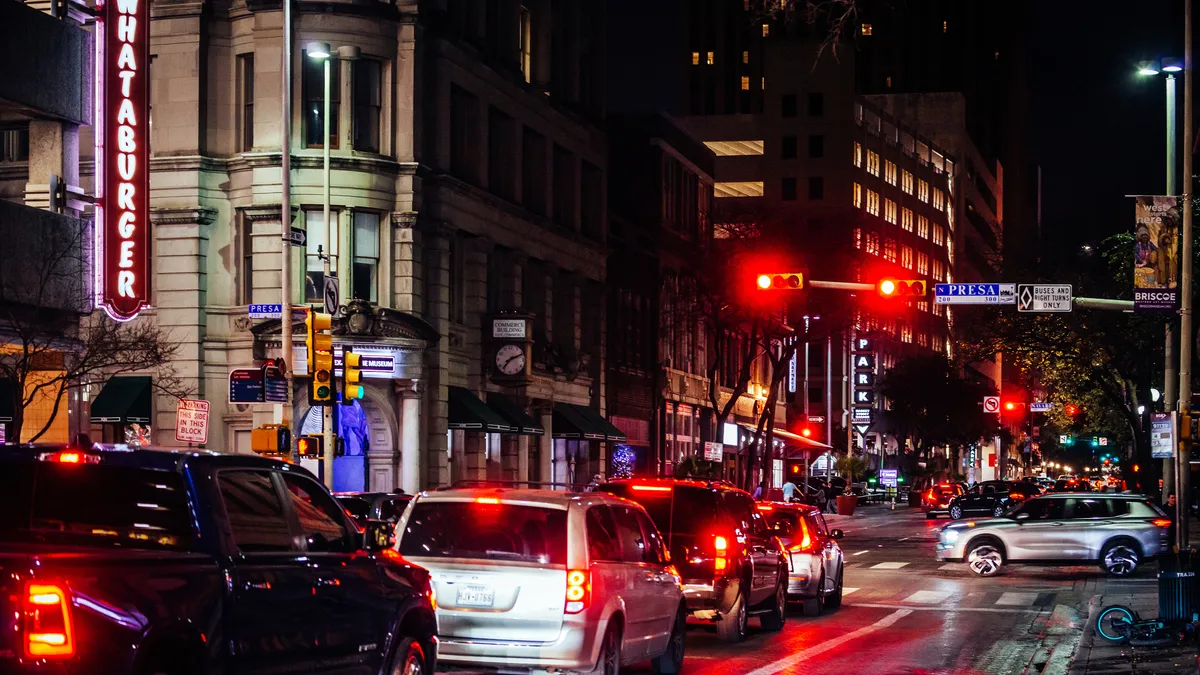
(246, 385)
(1163, 428)
(1041, 407)
(862, 429)
(816, 419)
(1063, 438)
(975, 294)
(1044, 297)
(863, 415)
(331, 294)
(298, 236)
(991, 404)
(888, 477)
(265, 311)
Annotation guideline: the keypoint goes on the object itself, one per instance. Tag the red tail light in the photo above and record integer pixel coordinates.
(1162, 522)
(46, 625)
(806, 542)
(579, 591)
(721, 546)
(651, 488)
(929, 496)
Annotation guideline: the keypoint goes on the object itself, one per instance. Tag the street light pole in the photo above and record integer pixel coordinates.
(321, 52)
(1185, 311)
(285, 218)
(1169, 381)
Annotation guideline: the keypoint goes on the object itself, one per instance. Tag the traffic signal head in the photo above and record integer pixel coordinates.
(780, 281)
(904, 288)
(351, 376)
(1072, 410)
(319, 347)
(1009, 405)
(310, 446)
(806, 432)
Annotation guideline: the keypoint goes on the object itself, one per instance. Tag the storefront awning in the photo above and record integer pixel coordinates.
(581, 422)
(515, 415)
(123, 400)
(468, 413)
(8, 392)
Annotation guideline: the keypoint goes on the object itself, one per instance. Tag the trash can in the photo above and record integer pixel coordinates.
(1178, 587)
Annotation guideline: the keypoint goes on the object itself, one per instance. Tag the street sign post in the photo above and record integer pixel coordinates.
(1041, 407)
(191, 421)
(975, 294)
(991, 404)
(1044, 297)
(331, 295)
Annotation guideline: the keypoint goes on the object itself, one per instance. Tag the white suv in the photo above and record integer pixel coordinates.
(543, 580)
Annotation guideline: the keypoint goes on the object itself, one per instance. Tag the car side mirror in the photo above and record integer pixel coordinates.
(378, 535)
(836, 534)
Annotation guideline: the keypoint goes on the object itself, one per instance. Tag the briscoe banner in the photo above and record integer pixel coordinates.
(122, 157)
(1156, 254)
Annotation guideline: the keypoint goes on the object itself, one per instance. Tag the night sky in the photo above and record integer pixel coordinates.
(1099, 128)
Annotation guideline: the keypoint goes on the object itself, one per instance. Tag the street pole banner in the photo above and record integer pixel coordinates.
(1156, 253)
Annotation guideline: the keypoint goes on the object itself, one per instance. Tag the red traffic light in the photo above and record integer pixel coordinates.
(1009, 405)
(780, 281)
(1072, 410)
(806, 432)
(908, 288)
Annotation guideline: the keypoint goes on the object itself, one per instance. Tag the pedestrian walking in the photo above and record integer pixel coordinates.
(789, 491)
(822, 497)
(758, 491)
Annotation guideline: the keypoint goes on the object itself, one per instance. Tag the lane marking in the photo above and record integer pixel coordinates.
(905, 538)
(889, 565)
(928, 597)
(847, 590)
(860, 552)
(1017, 599)
(984, 610)
(790, 662)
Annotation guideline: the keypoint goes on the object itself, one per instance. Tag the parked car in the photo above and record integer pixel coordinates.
(937, 498)
(120, 560)
(815, 561)
(1117, 532)
(544, 580)
(367, 506)
(991, 498)
(731, 563)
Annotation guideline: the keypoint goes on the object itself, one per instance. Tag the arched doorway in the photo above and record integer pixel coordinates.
(368, 427)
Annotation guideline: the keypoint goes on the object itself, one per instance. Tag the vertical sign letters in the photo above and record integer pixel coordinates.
(122, 158)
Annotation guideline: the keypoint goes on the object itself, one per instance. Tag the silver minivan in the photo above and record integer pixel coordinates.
(546, 580)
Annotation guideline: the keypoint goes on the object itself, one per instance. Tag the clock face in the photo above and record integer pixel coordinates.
(510, 359)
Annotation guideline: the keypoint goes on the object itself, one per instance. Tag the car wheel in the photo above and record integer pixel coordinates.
(985, 559)
(670, 662)
(1120, 559)
(955, 512)
(609, 662)
(834, 599)
(998, 511)
(812, 606)
(732, 626)
(409, 658)
(774, 619)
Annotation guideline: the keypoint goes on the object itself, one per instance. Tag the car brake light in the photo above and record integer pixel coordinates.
(721, 544)
(579, 587)
(765, 507)
(652, 488)
(47, 622)
(487, 500)
(1162, 522)
(1015, 495)
(69, 457)
(806, 543)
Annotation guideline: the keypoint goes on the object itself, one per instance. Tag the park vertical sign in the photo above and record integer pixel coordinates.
(1156, 254)
(123, 157)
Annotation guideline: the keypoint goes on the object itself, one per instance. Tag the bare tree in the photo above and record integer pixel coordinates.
(50, 340)
(832, 20)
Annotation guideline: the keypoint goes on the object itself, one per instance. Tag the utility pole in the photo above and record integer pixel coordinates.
(1185, 311)
(327, 411)
(285, 219)
(1171, 362)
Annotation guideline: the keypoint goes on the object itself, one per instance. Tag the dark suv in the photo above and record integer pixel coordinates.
(991, 498)
(731, 563)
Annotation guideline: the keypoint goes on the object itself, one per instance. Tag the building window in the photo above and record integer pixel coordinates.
(906, 257)
(787, 148)
(923, 191)
(906, 219)
(365, 272)
(888, 82)
(246, 248)
(889, 211)
(525, 49)
(858, 154)
(564, 187)
(922, 264)
(867, 29)
(745, 83)
(695, 58)
(857, 196)
(464, 135)
(710, 60)
(873, 202)
(245, 72)
(502, 148)
(766, 29)
(939, 271)
(314, 100)
(788, 189)
(873, 243)
(314, 266)
(816, 146)
(906, 182)
(816, 104)
(738, 189)
(939, 235)
(533, 171)
(939, 200)
(368, 103)
(889, 172)
(816, 187)
(872, 162)
(922, 227)
(889, 249)
(763, 84)
(787, 105)
(745, 57)
(945, 26)
(14, 144)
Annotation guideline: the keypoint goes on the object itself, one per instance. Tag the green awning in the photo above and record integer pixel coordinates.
(8, 393)
(468, 413)
(583, 423)
(515, 415)
(123, 400)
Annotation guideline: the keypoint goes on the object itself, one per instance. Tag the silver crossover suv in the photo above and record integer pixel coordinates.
(539, 580)
(1117, 532)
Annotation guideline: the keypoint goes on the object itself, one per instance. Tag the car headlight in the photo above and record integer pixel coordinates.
(950, 536)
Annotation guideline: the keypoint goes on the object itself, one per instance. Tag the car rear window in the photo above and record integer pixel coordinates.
(356, 506)
(694, 509)
(94, 505)
(784, 523)
(1143, 509)
(438, 529)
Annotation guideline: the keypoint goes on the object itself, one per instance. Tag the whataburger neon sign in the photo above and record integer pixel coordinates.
(122, 158)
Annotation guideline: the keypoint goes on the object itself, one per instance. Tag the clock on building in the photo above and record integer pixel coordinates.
(510, 359)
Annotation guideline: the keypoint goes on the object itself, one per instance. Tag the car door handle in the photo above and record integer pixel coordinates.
(324, 581)
(257, 586)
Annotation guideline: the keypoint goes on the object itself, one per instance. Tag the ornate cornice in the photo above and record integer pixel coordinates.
(200, 215)
(404, 219)
(269, 213)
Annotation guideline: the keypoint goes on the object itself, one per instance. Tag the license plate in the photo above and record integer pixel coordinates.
(476, 596)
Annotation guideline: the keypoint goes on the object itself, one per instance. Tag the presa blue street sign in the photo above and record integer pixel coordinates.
(1041, 407)
(975, 294)
(265, 311)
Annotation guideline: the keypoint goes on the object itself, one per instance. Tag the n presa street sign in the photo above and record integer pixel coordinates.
(1041, 407)
(975, 294)
(1044, 297)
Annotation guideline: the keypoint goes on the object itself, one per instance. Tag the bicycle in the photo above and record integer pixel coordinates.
(1120, 624)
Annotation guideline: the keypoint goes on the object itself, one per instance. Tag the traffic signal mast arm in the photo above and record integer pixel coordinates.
(1087, 303)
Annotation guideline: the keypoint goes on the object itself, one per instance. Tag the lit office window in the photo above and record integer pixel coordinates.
(867, 29)
(745, 83)
(695, 58)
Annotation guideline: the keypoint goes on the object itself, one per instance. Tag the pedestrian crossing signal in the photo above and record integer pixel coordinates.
(311, 446)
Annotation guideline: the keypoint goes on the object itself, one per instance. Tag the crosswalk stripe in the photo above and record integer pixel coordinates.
(847, 590)
(1017, 599)
(889, 565)
(860, 552)
(928, 597)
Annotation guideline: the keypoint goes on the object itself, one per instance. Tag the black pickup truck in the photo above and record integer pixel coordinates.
(117, 560)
